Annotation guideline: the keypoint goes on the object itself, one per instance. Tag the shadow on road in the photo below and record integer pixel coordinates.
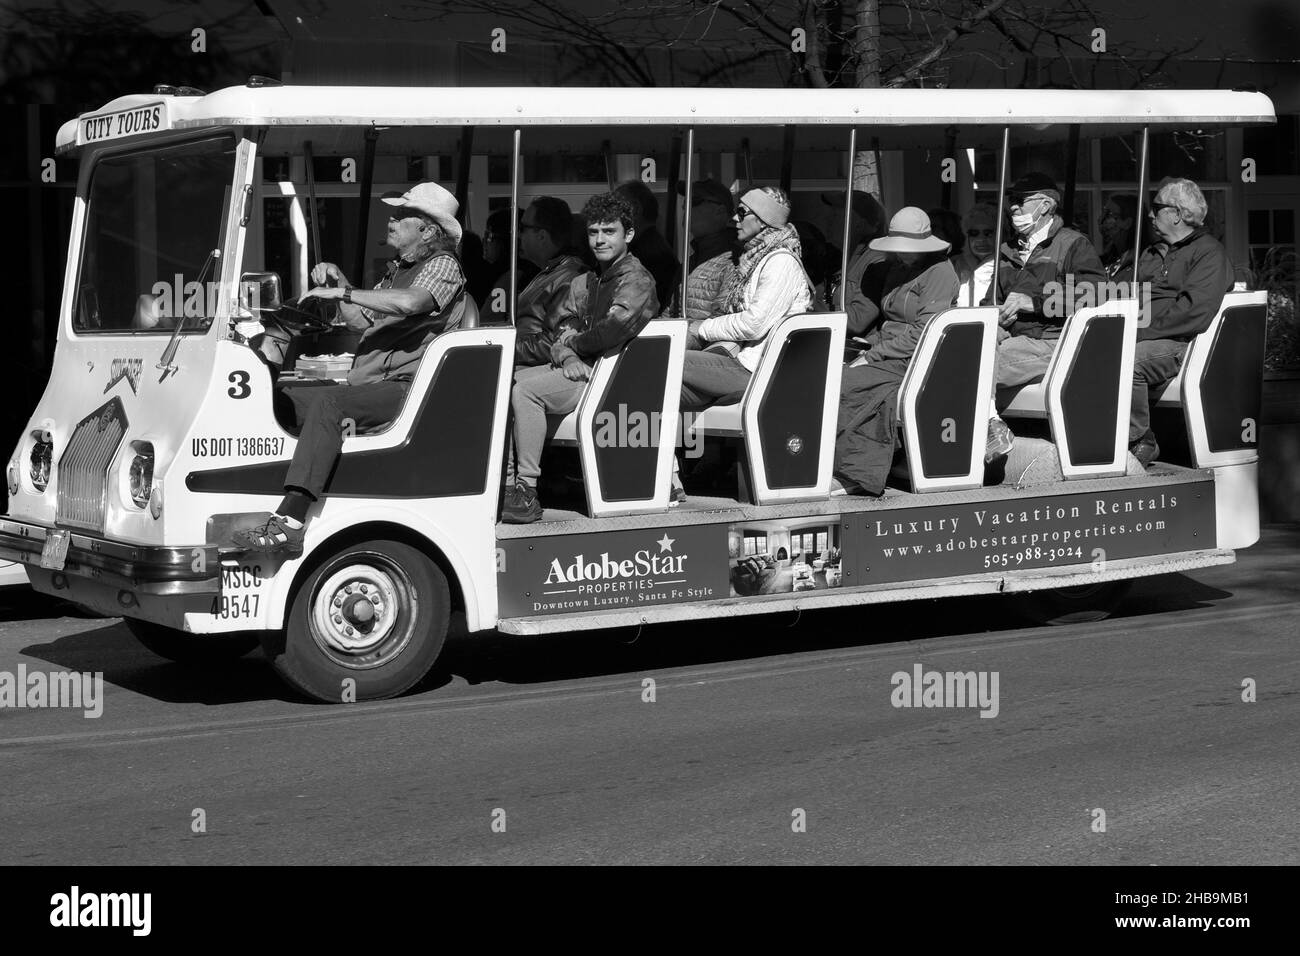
(510, 659)
(497, 658)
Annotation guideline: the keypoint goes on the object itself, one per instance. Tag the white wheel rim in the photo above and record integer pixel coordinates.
(362, 613)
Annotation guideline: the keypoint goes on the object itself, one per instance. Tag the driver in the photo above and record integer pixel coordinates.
(421, 296)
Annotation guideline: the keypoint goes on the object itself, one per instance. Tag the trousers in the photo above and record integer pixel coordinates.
(324, 410)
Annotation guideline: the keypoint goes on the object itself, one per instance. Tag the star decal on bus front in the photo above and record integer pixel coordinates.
(665, 543)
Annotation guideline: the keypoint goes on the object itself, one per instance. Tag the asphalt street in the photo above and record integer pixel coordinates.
(769, 740)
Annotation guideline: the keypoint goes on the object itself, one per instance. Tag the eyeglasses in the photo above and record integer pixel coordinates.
(1157, 206)
(743, 211)
(1016, 202)
(976, 233)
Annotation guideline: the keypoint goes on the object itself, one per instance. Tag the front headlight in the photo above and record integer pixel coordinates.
(39, 460)
(141, 474)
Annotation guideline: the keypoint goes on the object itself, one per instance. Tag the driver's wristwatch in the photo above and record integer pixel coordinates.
(347, 294)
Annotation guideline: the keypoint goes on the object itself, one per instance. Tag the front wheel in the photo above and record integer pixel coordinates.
(198, 650)
(1077, 605)
(366, 624)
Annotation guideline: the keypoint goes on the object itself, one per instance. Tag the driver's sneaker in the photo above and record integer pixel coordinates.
(274, 537)
(521, 506)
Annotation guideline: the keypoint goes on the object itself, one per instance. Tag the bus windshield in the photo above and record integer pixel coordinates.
(153, 217)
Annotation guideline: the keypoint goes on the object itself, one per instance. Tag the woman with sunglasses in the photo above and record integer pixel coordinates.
(769, 283)
(974, 264)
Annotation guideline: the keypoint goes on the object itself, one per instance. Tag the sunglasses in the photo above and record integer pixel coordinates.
(743, 211)
(976, 233)
(1157, 206)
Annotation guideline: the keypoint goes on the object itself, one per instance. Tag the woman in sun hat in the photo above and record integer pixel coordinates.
(920, 282)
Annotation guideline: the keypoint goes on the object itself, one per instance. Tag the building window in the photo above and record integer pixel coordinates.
(1275, 149)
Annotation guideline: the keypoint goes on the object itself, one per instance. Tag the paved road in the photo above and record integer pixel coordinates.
(1140, 716)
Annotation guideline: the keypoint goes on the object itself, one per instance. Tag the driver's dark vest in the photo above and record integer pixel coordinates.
(391, 349)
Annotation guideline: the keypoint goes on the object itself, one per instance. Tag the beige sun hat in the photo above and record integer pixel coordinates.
(909, 231)
(435, 202)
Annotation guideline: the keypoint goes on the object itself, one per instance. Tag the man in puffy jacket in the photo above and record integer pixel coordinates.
(544, 232)
(1047, 259)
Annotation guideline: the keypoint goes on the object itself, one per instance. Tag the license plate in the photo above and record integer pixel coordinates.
(55, 552)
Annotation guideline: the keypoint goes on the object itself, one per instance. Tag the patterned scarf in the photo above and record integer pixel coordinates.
(732, 297)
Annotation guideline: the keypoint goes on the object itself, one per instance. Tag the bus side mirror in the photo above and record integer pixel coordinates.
(260, 291)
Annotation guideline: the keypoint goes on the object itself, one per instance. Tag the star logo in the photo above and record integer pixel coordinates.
(125, 368)
(665, 543)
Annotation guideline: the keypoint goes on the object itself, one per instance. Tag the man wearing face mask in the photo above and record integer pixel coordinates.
(1033, 274)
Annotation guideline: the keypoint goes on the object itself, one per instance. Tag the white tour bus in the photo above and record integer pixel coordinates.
(158, 436)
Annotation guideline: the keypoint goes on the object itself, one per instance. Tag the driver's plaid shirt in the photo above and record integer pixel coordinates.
(391, 348)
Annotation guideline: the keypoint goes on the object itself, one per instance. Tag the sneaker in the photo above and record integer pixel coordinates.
(1000, 440)
(676, 496)
(521, 506)
(1145, 450)
(274, 537)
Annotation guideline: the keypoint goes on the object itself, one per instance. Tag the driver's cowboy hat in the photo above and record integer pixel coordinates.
(909, 231)
(435, 202)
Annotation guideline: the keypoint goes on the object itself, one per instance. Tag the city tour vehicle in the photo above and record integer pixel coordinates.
(199, 216)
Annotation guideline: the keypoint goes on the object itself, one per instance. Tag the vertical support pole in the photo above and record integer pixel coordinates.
(787, 159)
(670, 215)
(310, 166)
(462, 172)
(848, 217)
(363, 221)
(514, 224)
(686, 224)
(1071, 174)
(1141, 204)
(1002, 198)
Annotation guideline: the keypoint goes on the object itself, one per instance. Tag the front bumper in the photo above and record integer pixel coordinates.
(148, 569)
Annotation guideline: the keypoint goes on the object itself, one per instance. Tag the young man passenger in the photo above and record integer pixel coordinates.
(603, 311)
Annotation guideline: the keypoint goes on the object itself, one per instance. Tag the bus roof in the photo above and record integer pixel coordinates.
(280, 106)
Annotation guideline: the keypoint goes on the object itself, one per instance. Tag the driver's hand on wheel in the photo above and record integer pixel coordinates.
(327, 272)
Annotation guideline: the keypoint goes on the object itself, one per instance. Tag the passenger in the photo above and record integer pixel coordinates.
(479, 276)
(920, 282)
(974, 264)
(1118, 217)
(422, 296)
(650, 247)
(496, 304)
(1187, 271)
(544, 233)
(816, 261)
(768, 284)
(947, 226)
(975, 273)
(713, 249)
(603, 311)
(1033, 279)
(865, 275)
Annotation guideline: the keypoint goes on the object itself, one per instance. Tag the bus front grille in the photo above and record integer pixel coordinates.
(83, 468)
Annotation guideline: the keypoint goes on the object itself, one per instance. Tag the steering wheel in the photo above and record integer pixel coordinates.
(314, 315)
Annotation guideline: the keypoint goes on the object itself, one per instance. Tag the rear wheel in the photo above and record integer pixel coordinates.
(1077, 605)
(192, 649)
(366, 624)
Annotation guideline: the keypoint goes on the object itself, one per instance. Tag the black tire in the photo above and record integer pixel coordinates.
(384, 646)
(192, 649)
(1076, 605)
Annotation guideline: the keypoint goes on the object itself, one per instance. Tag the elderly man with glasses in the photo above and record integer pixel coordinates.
(1187, 272)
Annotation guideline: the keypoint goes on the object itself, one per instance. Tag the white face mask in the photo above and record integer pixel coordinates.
(1023, 222)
